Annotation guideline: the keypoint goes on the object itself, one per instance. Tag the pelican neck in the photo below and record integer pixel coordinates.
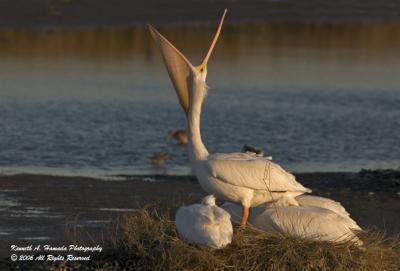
(197, 149)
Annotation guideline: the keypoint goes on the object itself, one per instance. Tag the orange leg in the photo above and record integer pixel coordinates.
(246, 213)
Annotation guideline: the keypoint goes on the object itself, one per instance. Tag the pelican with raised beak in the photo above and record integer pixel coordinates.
(243, 178)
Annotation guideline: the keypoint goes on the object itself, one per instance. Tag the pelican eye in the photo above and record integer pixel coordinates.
(201, 69)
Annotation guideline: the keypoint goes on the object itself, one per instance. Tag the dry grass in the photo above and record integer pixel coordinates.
(147, 240)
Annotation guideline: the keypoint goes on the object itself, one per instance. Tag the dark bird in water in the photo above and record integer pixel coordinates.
(180, 136)
(248, 148)
(159, 158)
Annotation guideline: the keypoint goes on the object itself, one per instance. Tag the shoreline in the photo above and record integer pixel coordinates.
(172, 171)
(366, 179)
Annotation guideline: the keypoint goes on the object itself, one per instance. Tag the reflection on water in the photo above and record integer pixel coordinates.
(316, 97)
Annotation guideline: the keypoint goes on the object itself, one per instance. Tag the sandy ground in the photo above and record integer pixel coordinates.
(37, 209)
(33, 14)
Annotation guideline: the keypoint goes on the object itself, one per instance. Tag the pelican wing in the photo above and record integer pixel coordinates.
(334, 206)
(308, 200)
(180, 70)
(251, 171)
(304, 221)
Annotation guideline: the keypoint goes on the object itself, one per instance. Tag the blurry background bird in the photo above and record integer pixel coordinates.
(180, 136)
(159, 158)
(248, 148)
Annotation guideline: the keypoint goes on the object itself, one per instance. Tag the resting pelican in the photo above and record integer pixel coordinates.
(244, 178)
(205, 224)
(316, 218)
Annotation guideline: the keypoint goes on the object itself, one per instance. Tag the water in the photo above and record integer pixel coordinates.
(315, 97)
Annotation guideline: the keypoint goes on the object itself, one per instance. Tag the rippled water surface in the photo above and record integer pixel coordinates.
(315, 97)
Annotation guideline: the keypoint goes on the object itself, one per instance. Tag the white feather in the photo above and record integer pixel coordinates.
(307, 200)
(245, 178)
(306, 221)
(204, 224)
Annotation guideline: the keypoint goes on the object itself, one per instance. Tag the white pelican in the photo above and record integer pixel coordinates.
(316, 218)
(244, 178)
(205, 224)
(180, 136)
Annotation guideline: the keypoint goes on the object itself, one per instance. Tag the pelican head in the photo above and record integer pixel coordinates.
(208, 200)
(182, 73)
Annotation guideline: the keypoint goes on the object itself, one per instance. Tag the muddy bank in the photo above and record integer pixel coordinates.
(36, 209)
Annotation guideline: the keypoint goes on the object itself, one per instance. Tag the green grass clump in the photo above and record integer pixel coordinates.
(147, 240)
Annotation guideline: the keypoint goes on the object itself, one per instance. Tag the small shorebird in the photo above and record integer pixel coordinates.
(243, 178)
(159, 158)
(179, 135)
